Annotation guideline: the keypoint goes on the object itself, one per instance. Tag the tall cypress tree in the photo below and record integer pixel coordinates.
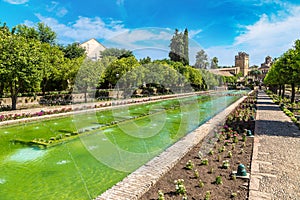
(186, 47)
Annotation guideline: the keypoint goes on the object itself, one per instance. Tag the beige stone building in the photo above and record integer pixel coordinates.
(241, 65)
(265, 67)
(242, 62)
(93, 49)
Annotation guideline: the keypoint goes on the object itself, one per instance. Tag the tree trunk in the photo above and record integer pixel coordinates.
(1, 89)
(293, 93)
(283, 91)
(14, 96)
(85, 96)
(44, 83)
(14, 99)
(85, 89)
(280, 86)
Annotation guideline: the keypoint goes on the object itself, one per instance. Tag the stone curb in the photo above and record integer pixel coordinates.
(139, 182)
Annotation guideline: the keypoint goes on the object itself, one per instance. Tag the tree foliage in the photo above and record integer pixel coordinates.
(73, 50)
(179, 47)
(214, 63)
(41, 32)
(88, 76)
(286, 70)
(19, 64)
(115, 52)
(201, 60)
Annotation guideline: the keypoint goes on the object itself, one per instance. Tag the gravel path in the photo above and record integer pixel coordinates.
(275, 170)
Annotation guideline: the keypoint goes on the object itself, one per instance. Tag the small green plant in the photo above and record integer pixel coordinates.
(161, 195)
(211, 152)
(225, 164)
(233, 147)
(229, 154)
(219, 158)
(219, 180)
(189, 165)
(233, 194)
(244, 137)
(226, 142)
(179, 186)
(201, 184)
(196, 173)
(235, 139)
(204, 161)
(211, 171)
(233, 177)
(184, 197)
(207, 195)
(222, 149)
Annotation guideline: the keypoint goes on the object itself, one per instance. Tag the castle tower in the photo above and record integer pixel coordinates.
(242, 62)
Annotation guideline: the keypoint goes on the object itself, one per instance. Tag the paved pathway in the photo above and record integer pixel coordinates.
(275, 170)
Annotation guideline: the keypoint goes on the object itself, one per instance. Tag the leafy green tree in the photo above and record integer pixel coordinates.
(26, 31)
(51, 60)
(19, 58)
(88, 76)
(42, 32)
(286, 70)
(46, 34)
(210, 80)
(201, 60)
(66, 73)
(145, 60)
(177, 47)
(195, 78)
(214, 63)
(73, 50)
(255, 73)
(115, 52)
(119, 68)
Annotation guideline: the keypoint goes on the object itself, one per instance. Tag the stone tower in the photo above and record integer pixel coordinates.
(242, 62)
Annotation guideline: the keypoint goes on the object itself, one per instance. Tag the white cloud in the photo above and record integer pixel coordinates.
(83, 28)
(193, 33)
(61, 12)
(142, 37)
(270, 35)
(54, 7)
(16, 1)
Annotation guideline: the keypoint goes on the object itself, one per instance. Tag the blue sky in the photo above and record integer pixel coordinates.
(221, 28)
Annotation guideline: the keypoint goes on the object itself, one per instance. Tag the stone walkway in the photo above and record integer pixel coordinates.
(275, 170)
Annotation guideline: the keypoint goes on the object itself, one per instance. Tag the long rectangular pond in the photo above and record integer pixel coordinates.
(107, 146)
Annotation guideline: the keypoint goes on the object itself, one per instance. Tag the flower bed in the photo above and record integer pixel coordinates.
(206, 171)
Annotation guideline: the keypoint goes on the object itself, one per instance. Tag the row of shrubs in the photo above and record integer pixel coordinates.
(290, 109)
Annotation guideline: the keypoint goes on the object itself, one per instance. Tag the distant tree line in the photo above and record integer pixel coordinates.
(32, 61)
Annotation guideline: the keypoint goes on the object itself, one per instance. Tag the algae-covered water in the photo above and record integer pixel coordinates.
(87, 166)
